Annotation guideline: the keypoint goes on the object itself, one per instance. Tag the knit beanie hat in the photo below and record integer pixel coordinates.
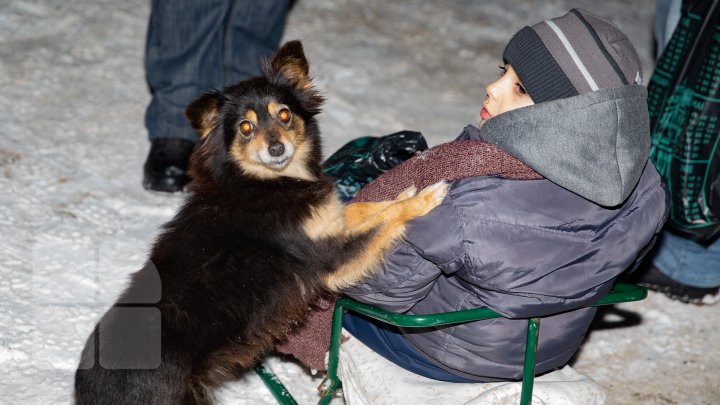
(570, 55)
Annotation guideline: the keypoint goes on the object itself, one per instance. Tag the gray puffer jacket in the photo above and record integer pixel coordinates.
(529, 248)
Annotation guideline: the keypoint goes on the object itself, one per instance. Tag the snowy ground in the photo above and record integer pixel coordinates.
(74, 220)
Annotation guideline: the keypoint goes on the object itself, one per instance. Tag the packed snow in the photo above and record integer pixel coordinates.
(75, 220)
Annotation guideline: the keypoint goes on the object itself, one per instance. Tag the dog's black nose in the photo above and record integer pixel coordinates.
(276, 149)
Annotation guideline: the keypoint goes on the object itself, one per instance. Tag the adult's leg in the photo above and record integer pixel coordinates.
(254, 31)
(195, 46)
(667, 16)
(683, 270)
(688, 262)
(183, 59)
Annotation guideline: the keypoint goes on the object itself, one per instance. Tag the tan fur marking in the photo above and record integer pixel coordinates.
(298, 127)
(294, 71)
(355, 270)
(246, 153)
(357, 213)
(298, 164)
(252, 147)
(391, 218)
(244, 156)
(239, 152)
(288, 136)
(301, 286)
(251, 116)
(392, 227)
(295, 134)
(326, 220)
(273, 108)
(208, 122)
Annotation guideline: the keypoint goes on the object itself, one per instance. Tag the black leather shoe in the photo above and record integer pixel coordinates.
(166, 165)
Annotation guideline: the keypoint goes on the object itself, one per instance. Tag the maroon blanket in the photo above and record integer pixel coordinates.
(449, 161)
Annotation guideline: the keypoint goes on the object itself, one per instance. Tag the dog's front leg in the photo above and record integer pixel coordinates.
(386, 226)
(360, 213)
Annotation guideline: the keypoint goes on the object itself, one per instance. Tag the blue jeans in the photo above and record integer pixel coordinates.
(667, 16)
(389, 342)
(688, 262)
(195, 46)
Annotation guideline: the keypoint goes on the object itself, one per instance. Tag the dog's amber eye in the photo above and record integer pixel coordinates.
(246, 127)
(284, 115)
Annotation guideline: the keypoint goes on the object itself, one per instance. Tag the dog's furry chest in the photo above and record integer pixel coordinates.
(252, 238)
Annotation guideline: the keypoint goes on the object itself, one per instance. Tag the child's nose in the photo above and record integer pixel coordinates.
(493, 89)
(490, 89)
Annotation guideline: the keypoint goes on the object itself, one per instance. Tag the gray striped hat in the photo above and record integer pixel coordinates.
(570, 55)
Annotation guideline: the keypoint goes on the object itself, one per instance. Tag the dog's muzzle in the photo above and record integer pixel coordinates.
(277, 155)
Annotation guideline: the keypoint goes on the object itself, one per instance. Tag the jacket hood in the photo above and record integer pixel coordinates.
(595, 144)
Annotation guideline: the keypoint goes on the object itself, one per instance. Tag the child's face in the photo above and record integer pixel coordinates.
(504, 94)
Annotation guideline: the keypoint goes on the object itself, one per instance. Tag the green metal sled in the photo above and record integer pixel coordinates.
(620, 293)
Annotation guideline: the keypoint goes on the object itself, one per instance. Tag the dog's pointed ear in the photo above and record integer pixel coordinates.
(291, 63)
(203, 112)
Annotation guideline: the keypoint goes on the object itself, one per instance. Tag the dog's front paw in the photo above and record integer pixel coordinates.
(429, 198)
(435, 193)
(407, 193)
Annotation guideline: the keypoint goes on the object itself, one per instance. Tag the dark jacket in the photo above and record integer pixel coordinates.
(528, 248)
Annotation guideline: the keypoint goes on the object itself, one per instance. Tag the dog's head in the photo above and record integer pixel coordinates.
(263, 127)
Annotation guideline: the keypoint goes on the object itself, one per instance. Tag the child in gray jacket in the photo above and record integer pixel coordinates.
(569, 103)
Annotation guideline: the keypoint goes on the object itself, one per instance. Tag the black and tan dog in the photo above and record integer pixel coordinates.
(261, 235)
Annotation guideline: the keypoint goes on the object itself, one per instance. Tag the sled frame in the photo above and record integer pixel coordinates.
(621, 292)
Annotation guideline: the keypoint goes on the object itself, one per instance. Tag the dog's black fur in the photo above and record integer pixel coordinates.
(259, 238)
